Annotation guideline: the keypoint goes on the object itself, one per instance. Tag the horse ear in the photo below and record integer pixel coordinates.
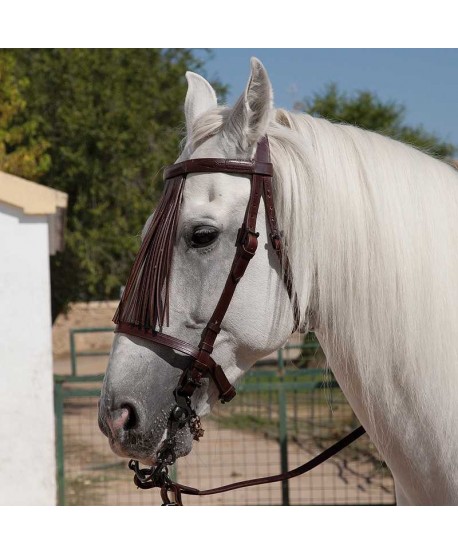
(252, 113)
(199, 98)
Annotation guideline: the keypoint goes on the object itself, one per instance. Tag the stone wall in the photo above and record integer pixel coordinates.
(84, 314)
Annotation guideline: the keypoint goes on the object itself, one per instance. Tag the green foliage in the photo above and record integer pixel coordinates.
(113, 118)
(367, 111)
(22, 151)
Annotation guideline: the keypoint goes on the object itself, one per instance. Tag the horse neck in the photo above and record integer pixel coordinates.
(382, 253)
(417, 447)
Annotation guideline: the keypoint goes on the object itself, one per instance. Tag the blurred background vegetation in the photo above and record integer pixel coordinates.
(100, 124)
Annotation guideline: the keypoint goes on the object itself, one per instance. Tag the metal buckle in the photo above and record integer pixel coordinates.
(195, 426)
(148, 478)
(275, 239)
(248, 240)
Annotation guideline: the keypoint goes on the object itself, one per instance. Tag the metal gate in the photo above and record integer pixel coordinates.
(281, 417)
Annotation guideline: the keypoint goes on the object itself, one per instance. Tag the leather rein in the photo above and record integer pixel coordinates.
(202, 365)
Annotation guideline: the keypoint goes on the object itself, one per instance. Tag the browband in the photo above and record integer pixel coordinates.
(218, 165)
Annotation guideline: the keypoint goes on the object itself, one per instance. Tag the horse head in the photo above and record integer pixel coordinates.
(184, 264)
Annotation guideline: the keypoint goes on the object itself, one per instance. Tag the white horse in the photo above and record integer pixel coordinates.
(372, 231)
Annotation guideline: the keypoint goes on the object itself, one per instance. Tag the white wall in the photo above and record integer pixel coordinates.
(27, 452)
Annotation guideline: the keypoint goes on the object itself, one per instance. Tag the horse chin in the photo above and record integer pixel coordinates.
(183, 444)
(121, 451)
(147, 456)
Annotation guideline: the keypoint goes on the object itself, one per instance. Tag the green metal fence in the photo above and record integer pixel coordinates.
(281, 416)
(75, 353)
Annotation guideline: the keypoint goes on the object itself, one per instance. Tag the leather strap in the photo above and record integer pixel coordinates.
(219, 165)
(159, 338)
(246, 243)
(179, 489)
(278, 241)
(192, 378)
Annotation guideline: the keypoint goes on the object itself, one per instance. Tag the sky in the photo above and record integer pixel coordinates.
(425, 81)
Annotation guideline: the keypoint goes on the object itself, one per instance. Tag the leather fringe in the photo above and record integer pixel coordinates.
(145, 300)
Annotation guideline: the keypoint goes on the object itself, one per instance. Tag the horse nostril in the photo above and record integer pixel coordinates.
(132, 418)
(124, 418)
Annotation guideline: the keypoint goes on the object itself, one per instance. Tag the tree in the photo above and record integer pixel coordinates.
(113, 119)
(22, 151)
(364, 109)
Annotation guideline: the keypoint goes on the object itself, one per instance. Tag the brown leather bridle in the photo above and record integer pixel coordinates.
(202, 365)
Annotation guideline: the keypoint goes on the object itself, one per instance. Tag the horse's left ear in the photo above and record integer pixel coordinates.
(251, 115)
(200, 98)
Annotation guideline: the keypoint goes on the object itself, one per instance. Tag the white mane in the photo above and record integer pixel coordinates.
(375, 223)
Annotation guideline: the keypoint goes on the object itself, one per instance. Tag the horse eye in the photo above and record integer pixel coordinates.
(203, 236)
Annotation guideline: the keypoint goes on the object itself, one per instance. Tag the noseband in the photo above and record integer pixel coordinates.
(143, 323)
